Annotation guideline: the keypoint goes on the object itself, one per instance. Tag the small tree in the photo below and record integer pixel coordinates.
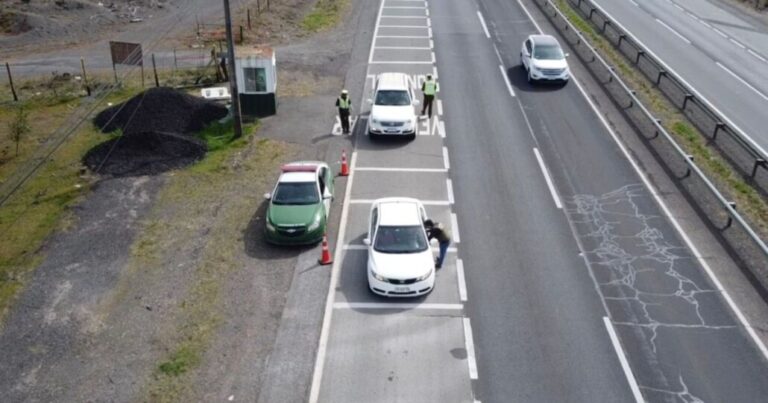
(19, 127)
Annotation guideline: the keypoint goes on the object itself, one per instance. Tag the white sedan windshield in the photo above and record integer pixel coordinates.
(408, 239)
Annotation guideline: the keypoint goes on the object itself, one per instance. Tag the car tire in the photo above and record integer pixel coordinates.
(530, 79)
(411, 136)
(373, 136)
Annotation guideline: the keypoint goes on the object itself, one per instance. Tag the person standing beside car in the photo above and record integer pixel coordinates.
(344, 104)
(429, 88)
(443, 236)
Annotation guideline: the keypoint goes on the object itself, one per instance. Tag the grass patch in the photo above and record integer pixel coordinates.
(324, 15)
(717, 169)
(214, 196)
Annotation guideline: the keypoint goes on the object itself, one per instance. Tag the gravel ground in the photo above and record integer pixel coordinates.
(155, 264)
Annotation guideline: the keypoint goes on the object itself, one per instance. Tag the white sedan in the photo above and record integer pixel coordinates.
(544, 59)
(400, 261)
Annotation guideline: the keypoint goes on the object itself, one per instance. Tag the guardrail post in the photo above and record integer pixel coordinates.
(632, 101)
(591, 11)
(688, 97)
(662, 73)
(606, 23)
(639, 54)
(718, 127)
(730, 218)
(688, 169)
(758, 163)
(621, 38)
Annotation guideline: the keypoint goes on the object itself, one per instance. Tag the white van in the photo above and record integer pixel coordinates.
(392, 112)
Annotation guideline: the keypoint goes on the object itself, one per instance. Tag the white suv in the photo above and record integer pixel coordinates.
(392, 110)
(543, 59)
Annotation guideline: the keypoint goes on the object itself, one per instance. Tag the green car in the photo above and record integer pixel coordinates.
(299, 206)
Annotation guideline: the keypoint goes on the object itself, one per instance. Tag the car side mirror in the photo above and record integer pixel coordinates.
(567, 54)
(327, 195)
(369, 100)
(267, 196)
(367, 241)
(416, 102)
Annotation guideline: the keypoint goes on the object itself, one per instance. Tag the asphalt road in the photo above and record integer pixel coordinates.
(720, 52)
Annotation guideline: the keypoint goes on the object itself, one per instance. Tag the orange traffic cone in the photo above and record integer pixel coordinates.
(325, 258)
(344, 167)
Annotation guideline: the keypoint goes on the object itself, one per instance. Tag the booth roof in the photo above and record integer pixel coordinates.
(256, 51)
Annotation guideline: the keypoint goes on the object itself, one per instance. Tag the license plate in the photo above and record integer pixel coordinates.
(391, 131)
(402, 289)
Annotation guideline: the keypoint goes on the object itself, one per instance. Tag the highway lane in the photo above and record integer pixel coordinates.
(577, 286)
(722, 55)
(680, 337)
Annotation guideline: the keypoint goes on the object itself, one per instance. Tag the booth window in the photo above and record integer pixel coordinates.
(255, 79)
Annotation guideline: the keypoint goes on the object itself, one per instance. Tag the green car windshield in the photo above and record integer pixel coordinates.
(410, 239)
(296, 193)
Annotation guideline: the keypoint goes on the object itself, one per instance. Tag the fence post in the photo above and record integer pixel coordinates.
(718, 126)
(258, 6)
(662, 73)
(85, 77)
(758, 163)
(154, 68)
(687, 98)
(267, 4)
(10, 80)
(248, 14)
(640, 53)
(175, 63)
(241, 35)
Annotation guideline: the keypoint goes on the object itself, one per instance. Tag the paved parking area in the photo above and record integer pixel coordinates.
(375, 349)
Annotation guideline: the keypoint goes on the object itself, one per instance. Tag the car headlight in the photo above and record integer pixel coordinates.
(426, 276)
(378, 277)
(316, 223)
(408, 124)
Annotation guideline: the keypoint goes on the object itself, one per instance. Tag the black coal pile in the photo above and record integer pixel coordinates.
(160, 110)
(158, 133)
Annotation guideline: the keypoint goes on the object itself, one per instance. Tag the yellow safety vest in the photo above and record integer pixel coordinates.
(344, 103)
(430, 87)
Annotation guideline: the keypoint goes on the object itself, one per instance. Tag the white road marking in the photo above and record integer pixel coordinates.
(433, 59)
(471, 363)
(482, 22)
(434, 74)
(678, 6)
(690, 14)
(737, 43)
(461, 280)
(451, 249)
(392, 169)
(550, 184)
(506, 81)
(405, 7)
(424, 202)
(455, 228)
(446, 161)
(429, 30)
(401, 62)
(431, 44)
(634, 2)
(402, 36)
(404, 26)
(373, 41)
(322, 347)
(439, 107)
(405, 16)
(498, 54)
(704, 23)
(743, 81)
(449, 186)
(403, 47)
(623, 360)
(721, 33)
(679, 35)
(396, 305)
(755, 54)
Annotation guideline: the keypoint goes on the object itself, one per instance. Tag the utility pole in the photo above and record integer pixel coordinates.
(231, 73)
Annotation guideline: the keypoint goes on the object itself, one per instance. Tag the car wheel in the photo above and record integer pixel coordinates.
(530, 79)
(412, 136)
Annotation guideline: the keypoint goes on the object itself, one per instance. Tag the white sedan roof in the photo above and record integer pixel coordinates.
(399, 211)
(298, 177)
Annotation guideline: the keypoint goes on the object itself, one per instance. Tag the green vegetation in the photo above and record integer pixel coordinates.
(220, 192)
(19, 126)
(40, 206)
(325, 14)
(726, 178)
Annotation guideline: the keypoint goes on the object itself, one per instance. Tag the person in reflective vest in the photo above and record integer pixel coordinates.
(429, 88)
(344, 104)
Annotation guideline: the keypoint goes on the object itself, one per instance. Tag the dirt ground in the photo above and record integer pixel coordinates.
(163, 288)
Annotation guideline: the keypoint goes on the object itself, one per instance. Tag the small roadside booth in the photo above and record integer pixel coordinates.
(256, 73)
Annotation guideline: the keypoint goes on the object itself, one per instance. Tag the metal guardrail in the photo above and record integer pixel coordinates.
(749, 158)
(745, 244)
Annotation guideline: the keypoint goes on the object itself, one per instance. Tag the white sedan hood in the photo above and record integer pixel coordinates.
(393, 113)
(401, 266)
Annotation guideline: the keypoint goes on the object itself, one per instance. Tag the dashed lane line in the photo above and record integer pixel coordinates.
(449, 188)
(506, 81)
(679, 35)
(455, 228)
(623, 360)
(547, 178)
(392, 169)
(736, 76)
(396, 305)
(424, 202)
(470, 345)
(462, 283)
(446, 160)
(482, 22)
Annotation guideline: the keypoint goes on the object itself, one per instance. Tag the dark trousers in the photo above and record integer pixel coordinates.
(427, 104)
(344, 117)
(441, 256)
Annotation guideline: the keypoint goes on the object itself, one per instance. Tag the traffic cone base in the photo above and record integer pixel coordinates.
(325, 257)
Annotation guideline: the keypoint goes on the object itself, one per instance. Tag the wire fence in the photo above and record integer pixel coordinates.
(739, 149)
(743, 242)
